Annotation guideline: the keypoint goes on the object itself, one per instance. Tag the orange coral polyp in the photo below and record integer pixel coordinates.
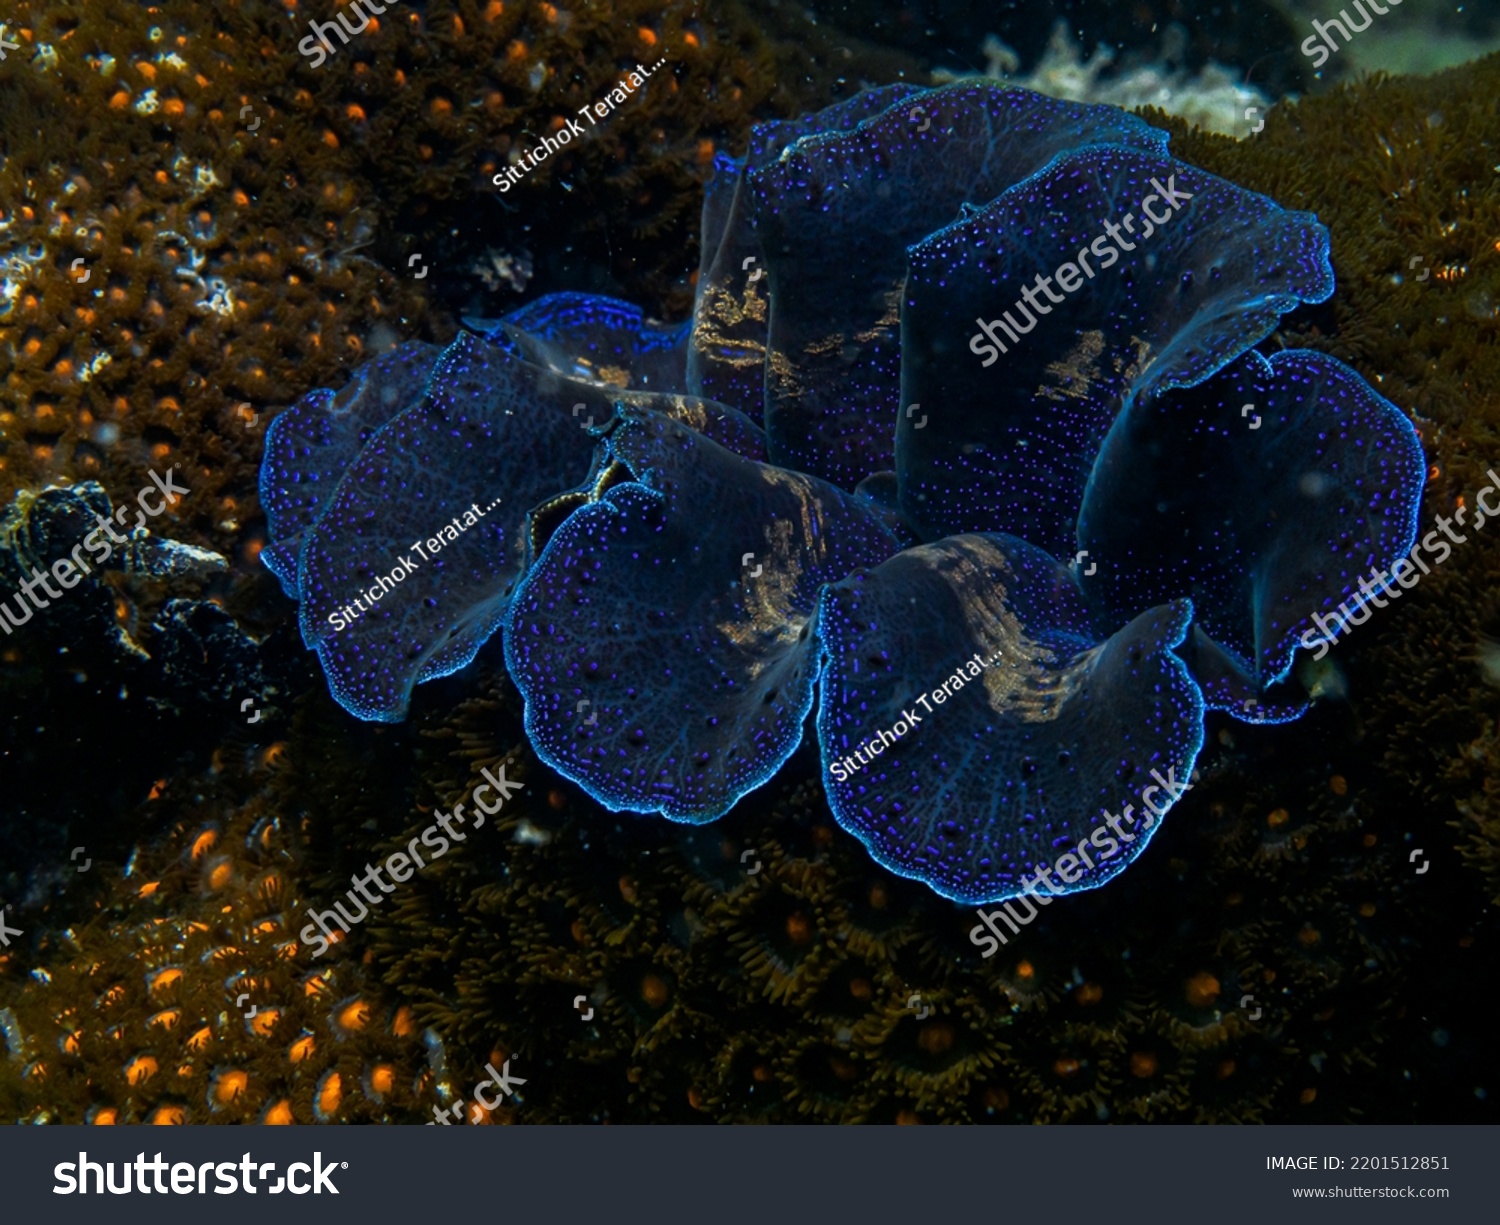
(140, 1069)
(1202, 990)
(162, 979)
(278, 1114)
(229, 1086)
(330, 1094)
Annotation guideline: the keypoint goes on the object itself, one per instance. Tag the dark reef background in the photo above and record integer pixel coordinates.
(1276, 957)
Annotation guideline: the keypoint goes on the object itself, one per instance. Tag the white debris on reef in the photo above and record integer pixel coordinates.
(504, 268)
(1211, 99)
(91, 368)
(217, 297)
(18, 265)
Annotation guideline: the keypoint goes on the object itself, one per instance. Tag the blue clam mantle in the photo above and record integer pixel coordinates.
(815, 498)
